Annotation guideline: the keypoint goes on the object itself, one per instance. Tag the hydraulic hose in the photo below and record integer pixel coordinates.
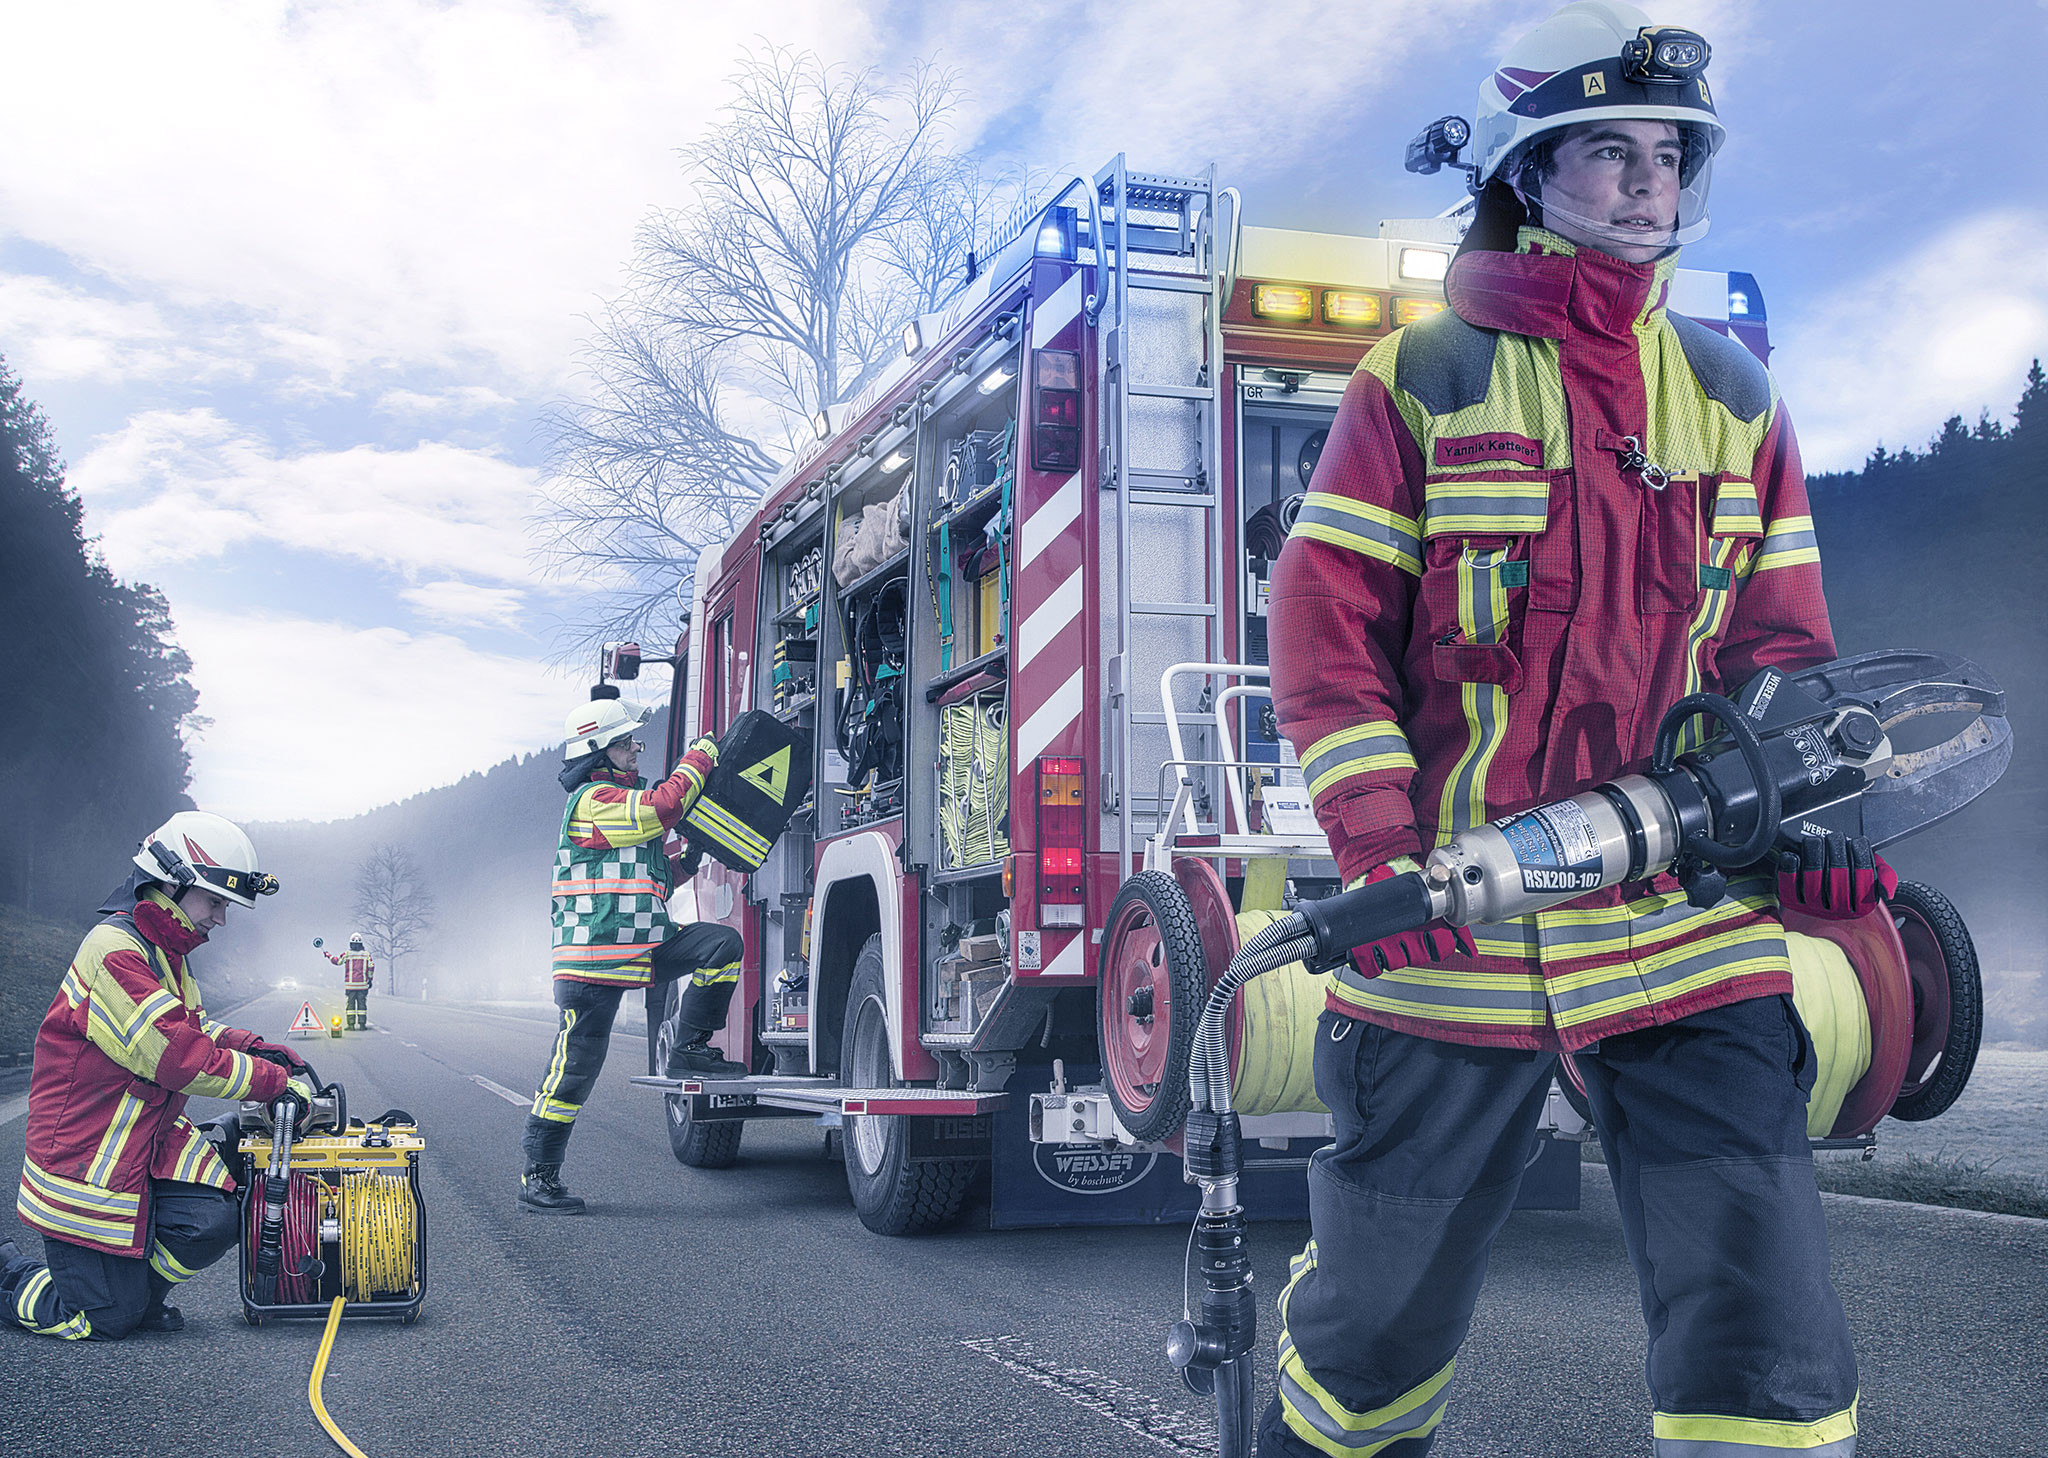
(319, 1377)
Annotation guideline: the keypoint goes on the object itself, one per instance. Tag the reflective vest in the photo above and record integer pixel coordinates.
(612, 873)
(357, 970)
(1487, 603)
(124, 1043)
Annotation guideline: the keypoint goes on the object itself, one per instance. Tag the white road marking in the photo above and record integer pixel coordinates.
(500, 1090)
(1126, 1406)
(13, 1108)
(409, 1045)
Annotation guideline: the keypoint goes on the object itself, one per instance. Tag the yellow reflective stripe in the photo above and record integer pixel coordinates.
(1482, 609)
(1320, 1420)
(1363, 748)
(169, 1266)
(555, 1110)
(126, 1028)
(234, 1084)
(1708, 621)
(126, 1113)
(76, 1192)
(1559, 942)
(557, 1062)
(716, 821)
(1465, 507)
(636, 820)
(1756, 1432)
(72, 1328)
(73, 987)
(37, 1211)
(711, 977)
(1736, 512)
(1357, 526)
(1789, 542)
(1443, 995)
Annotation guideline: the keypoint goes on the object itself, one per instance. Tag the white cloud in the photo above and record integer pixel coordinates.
(318, 720)
(457, 401)
(55, 332)
(1947, 329)
(423, 183)
(465, 604)
(174, 486)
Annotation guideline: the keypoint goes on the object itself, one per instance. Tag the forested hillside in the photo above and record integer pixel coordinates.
(1947, 549)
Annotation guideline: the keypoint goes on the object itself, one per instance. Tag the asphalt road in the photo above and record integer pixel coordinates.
(726, 1314)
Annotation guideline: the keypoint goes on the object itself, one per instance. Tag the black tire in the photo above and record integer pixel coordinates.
(1149, 1091)
(1938, 945)
(1574, 1095)
(694, 1142)
(892, 1195)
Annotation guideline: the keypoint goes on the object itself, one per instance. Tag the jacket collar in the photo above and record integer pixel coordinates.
(1550, 288)
(609, 774)
(163, 923)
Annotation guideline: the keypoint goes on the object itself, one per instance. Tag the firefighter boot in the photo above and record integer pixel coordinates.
(698, 1058)
(159, 1317)
(542, 1191)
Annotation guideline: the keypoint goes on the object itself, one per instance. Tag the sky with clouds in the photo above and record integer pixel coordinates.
(294, 281)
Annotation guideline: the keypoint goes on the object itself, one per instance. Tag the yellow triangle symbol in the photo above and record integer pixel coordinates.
(771, 775)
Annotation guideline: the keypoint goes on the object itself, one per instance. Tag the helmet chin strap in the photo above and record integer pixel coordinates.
(1541, 211)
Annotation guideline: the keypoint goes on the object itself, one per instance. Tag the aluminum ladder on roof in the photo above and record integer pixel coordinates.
(1159, 370)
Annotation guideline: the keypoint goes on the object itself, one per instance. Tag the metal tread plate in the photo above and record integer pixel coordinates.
(822, 1096)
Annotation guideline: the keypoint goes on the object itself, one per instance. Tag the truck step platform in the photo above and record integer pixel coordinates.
(824, 1096)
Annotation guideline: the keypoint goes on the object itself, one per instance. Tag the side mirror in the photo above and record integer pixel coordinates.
(622, 661)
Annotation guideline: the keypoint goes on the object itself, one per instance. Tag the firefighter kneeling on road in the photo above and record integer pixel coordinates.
(130, 1198)
(358, 976)
(612, 932)
(1541, 518)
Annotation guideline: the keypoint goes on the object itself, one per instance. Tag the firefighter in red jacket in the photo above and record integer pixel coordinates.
(358, 976)
(130, 1197)
(612, 932)
(1541, 518)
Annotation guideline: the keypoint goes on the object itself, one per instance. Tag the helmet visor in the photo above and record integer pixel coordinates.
(1619, 183)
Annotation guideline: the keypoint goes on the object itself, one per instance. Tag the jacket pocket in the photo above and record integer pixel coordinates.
(1480, 536)
(1672, 543)
(1458, 662)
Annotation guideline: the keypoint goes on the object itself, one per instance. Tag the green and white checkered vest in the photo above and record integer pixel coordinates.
(611, 906)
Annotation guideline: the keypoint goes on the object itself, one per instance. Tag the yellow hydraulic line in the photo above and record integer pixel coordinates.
(320, 1374)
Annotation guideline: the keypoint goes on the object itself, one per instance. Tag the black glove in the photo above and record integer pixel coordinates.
(284, 1058)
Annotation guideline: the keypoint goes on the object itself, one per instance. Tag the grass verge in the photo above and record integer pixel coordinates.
(34, 952)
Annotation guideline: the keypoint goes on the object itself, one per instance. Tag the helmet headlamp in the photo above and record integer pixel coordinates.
(1665, 53)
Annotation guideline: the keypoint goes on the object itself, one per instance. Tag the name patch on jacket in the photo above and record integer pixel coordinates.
(1459, 450)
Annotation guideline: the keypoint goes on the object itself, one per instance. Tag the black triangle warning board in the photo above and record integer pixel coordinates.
(771, 775)
(305, 1022)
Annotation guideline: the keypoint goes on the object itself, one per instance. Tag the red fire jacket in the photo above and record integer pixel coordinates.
(124, 1043)
(358, 972)
(1485, 606)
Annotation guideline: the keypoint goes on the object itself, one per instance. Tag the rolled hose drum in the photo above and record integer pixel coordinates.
(1891, 1002)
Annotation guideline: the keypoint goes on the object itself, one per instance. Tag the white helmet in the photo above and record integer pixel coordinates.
(355, 941)
(1599, 61)
(194, 847)
(601, 722)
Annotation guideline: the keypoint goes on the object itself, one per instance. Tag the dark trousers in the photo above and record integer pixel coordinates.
(1704, 1126)
(707, 954)
(356, 1006)
(84, 1294)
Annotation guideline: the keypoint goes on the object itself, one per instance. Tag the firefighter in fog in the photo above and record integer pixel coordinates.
(612, 932)
(1540, 519)
(358, 976)
(129, 1197)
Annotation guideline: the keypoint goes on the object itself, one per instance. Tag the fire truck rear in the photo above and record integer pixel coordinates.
(1016, 595)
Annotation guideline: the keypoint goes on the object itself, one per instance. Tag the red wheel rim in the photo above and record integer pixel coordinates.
(1216, 922)
(1927, 970)
(1134, 966)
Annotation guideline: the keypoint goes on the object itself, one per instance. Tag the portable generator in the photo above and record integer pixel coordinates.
(331, 1210)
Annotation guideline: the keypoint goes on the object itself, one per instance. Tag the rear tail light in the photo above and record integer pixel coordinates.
(1355, 310)
(1056, 410)
(1060, 831)
(1283, 301)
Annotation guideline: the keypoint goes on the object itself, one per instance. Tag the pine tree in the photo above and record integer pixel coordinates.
(2033, 406)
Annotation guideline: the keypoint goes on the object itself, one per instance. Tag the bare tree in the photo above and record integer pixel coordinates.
(393, 907)
(827, 214)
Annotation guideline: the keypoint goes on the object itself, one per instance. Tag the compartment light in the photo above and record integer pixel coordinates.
(1283, 301)
(998, 377)
(897, 459)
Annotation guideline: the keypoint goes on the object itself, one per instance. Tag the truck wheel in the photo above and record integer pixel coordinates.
(892, 1195)
(694, 1142)
(1948, 1001)
(1153, 984)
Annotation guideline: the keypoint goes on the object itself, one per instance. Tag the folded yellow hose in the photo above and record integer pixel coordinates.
(1275, 1071)
(1830, 1003)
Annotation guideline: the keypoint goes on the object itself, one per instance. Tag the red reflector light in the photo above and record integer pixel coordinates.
(1062, 829)
(1056, 410)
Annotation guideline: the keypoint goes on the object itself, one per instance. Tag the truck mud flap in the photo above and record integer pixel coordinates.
(947, 1137)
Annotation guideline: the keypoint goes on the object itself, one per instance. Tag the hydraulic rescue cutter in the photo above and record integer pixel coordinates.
(1790, 757)
(331, 1209)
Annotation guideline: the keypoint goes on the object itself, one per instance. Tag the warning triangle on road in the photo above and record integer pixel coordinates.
(305, 1022)
(771, 775)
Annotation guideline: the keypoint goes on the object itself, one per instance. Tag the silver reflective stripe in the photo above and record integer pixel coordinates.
(1508, 992)
(1715, 1448)
(1486, 508)
(1344, 523)
(1311, 1412)
(1667, 919)
(1629, 982)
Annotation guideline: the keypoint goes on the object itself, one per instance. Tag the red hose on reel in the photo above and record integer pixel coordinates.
(301, 1239)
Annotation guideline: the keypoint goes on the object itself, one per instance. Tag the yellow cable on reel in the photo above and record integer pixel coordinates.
(377, 1235)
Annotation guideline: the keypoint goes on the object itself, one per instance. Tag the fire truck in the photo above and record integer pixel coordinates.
(1015, 593)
